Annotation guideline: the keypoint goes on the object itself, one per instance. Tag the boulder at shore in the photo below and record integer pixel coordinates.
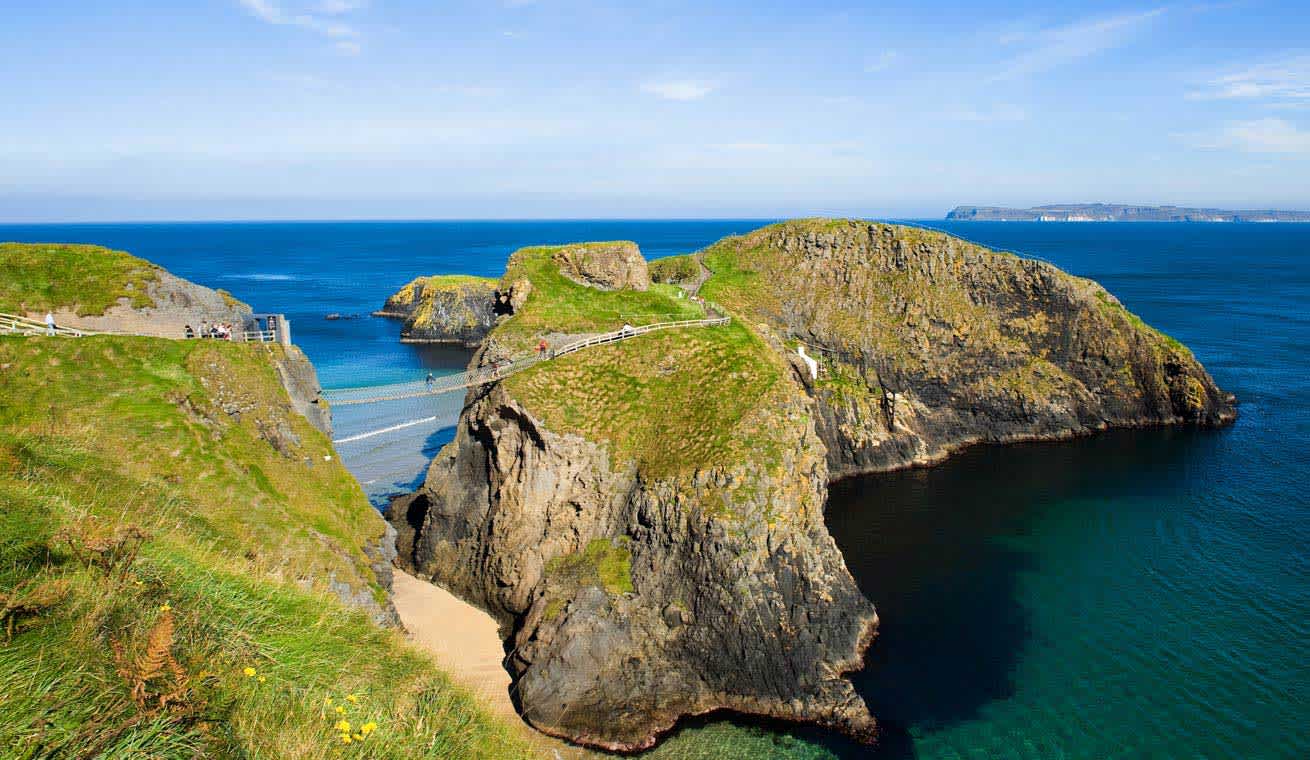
(645, 518)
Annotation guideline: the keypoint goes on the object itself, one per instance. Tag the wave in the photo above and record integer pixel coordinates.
(261, 276)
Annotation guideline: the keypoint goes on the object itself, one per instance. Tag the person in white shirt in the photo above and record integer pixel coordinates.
(49, 323)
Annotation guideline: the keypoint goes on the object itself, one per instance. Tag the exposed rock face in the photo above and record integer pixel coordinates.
(176, 303)
(606, 266)
(444, 309)
(300, 379)
(634, 591)
(932, 343)
(630, 602)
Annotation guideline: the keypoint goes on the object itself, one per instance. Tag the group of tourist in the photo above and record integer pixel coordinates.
(216, 331)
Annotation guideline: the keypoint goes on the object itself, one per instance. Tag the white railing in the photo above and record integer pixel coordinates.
(492, 373)
(14, 324)
(259, 336)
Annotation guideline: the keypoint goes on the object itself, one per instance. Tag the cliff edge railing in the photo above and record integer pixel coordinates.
(373, 394)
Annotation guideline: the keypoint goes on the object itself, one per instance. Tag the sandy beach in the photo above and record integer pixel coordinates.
(465, 642)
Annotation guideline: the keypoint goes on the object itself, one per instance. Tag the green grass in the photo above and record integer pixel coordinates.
(674, 269)
(602, 562)
(101, 434)
(672, 401)
(558, 304)
(88, 279)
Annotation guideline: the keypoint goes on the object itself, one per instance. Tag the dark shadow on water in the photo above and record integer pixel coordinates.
(940, 553)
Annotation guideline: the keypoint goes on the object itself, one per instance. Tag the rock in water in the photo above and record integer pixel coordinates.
(444, 309)
(646, 518)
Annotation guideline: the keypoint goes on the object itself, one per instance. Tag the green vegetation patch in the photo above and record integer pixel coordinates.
(1115, 310)
(673, 401)
(88, 279)
(602, 562)
(168, 534)
(674, 269)
(560, 305)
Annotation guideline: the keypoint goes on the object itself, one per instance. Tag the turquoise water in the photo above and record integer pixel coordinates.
(1139, 594)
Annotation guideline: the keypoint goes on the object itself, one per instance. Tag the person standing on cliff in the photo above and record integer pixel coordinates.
(49, 323)
(431, 379)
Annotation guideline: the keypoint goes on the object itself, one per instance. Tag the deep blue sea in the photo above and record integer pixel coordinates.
(1139, 594)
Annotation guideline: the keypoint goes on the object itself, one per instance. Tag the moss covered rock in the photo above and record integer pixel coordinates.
(444, 309)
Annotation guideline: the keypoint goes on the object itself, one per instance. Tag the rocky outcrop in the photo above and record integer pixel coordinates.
(632, 601)
(173, 303)
(673, 560)
(930, 343)
(605, 266)
(300, 380)
(444, 309)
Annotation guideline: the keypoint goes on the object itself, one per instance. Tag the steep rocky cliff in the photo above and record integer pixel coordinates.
(645, 518)
(444, 309)
(929, 343)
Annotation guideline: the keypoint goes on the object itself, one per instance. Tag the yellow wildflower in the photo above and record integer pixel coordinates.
(249, 671)
(262, 679)
(343, 726)
(359, 737)
(345, 738)
(352, 698)
(369, 727)
(341, 710)
(327, 701)
(165, 607)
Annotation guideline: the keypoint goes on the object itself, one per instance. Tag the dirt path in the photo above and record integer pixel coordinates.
(465, 642)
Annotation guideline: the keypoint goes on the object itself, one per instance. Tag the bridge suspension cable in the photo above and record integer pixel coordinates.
(449, 383)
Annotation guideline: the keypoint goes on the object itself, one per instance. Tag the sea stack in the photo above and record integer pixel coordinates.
(646, 518)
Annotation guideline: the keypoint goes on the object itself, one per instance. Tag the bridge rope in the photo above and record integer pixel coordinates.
(373, 394)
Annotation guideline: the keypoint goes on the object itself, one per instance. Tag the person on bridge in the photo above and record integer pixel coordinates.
(431, 380)
(49, 323)
(541, 347)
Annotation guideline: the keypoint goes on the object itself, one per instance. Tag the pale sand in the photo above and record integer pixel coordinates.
(463, 639)
(465, 642)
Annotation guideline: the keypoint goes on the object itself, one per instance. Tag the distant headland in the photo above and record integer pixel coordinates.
(1114, 212)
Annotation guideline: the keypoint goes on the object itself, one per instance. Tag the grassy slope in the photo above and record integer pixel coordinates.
(101, 434)
(560, 305)
(673, 401)
(87, 278)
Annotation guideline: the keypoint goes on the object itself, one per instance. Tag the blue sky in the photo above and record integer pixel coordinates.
(225, 109)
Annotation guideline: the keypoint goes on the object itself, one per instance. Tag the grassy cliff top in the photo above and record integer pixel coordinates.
(440, 283)
(88, 279)
(671, 401)
(169, 523)
(557, 304)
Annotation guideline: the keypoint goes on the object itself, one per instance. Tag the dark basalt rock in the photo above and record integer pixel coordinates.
(632, 598)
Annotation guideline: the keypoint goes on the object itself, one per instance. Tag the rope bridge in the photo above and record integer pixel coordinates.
(375, 394)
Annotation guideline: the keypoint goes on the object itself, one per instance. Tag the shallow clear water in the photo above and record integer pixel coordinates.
(1135, 594)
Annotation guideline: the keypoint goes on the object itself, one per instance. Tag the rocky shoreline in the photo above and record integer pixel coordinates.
(645, 520)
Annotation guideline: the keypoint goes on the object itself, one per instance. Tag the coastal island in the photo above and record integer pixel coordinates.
(1115, 212)
(645, 518)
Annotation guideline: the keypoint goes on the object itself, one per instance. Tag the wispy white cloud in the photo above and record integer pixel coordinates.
(1276, 136)
(317, 18)
(678, 89)
(993, 115)
(1056, 46)
(883, 62)
(1286, 80)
